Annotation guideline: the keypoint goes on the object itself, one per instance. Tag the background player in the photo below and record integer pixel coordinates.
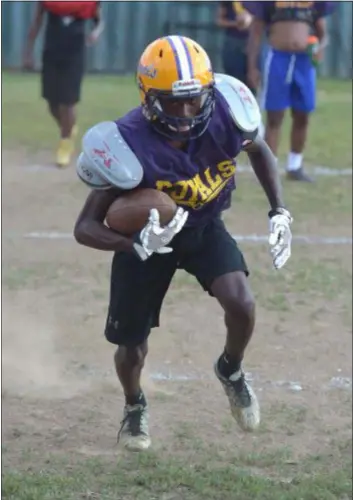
(63, 62)
(236, 21)
(183, 140)
(289, 78)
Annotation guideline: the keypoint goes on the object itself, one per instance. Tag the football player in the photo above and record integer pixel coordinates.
(182, 139)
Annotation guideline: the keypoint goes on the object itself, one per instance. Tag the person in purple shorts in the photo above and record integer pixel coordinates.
(289, 74)
(183, 139)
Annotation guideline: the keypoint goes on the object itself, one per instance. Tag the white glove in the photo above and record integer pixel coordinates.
(280, 238)
(153, 238)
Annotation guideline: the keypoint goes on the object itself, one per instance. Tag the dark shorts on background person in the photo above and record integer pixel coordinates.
(138, 288)
(62, 78)
(235, 59)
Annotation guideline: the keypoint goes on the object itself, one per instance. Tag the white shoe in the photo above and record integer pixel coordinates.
(242, 399)
(133, 434)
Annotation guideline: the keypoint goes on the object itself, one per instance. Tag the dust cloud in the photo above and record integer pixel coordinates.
(36, 355)
(31, 359)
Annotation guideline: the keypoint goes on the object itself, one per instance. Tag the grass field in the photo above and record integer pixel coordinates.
(61, 401)
(109, 97)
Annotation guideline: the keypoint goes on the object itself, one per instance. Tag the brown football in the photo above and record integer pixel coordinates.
(129, 213)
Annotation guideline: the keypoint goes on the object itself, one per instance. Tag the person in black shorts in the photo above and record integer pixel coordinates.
(63, 62)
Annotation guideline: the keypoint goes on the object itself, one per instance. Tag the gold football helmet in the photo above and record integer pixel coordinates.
(176, 68)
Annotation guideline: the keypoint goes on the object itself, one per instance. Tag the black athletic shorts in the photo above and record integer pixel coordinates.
(62, 78)
(138, 288)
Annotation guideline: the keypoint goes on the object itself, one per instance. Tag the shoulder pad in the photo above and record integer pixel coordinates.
(107, 160)
(242, 104)
(87, 172)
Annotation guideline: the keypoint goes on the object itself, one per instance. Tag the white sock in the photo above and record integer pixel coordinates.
(294, 161)
(262, 130)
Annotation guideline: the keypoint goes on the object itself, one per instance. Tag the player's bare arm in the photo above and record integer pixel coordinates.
(109, 166)
(98, 28)
(32, 35)
(101, 166)
(254, 45)
(264, 165)
(90, 229)
(246, 115)
(247, 118)
(322, 35)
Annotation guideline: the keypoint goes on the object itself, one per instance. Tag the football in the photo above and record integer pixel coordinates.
(129, 213)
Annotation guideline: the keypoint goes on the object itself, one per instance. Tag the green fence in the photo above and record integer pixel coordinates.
(131, 25)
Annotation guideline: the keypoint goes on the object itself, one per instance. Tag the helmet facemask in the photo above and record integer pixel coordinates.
(174, 127)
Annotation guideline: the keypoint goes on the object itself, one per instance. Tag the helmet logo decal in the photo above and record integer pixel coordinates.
(187, 87)
(149, 70)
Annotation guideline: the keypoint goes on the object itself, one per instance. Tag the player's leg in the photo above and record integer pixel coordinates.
(67, 113)
(302, 104)
(233, 293)
(299, 131)
(71, 76)
(54, 111)
(49, 82)
(221, 269)
(136, 295)
(275, 95)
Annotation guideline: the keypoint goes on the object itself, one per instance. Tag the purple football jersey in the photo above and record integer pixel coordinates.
(200, 179)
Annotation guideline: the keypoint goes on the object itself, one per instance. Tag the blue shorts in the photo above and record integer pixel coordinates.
(289, 81)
